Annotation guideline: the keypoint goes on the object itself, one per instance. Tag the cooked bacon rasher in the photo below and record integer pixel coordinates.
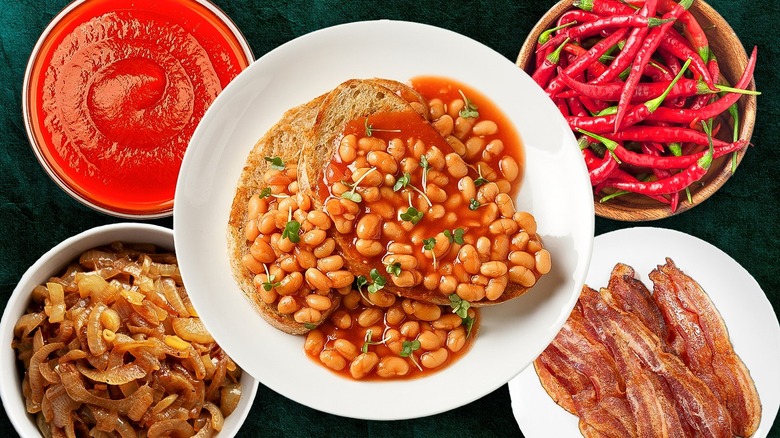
(621, 363)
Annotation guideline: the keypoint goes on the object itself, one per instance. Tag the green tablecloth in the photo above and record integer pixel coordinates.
(35, 214)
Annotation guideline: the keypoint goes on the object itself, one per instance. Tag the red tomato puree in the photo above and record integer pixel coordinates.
(117, 90)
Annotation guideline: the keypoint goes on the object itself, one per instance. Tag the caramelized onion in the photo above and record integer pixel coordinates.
(230, 395)
(36, 379)
(192, 329)
(27, 323)
(217, 419)
(171, 428)
(114, 376)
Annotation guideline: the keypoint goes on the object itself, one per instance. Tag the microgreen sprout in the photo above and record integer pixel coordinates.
(276, 162)
(473, 204)
(426, 167)
(411, 214)
(469, 109)
(481, 179)
(269, 283)
(291, 229)
(310, 325)
(461, 307)
(428, 245)
(361, 281)
(368, 340)
(402, 182)
(455, 236)
(370, 129)
(266, 192)
(393, 268)
(407, 350)
(353, 195)
(379, 281)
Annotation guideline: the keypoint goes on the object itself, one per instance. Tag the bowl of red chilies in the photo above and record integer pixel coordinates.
(659, 93)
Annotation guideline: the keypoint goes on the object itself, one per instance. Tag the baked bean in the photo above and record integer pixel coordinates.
(288, 204)
(509, 168)
(452, 203)
(503, 226)
(455, 165)
(485, 127)
(470, 292)
(467, 188)
(287, 305)
(522, 258)
(267, 223)
(369, 248)
(397, 149)
(305, 258)
(505, 205)
(447, 322)
(526, 221)
(348, 148)
(382, 161)
(363, 365)
(504, 186)
(256, 206)
(392, 366)
(319, 219)
(368, 177)
(389, 182)
(456, 339)
(292, 188)
(454, 107)
(339, 188)
(351, 300)
(368, 144)
(429, 340)
(307, 315)
(469, 259)
(417, 147)
(493, 149)
(304, 202)
(436, 108)
(448, 284)
(441, 245)
(369, 316)
(333, 360)
(444, 125)
(252, 264)
(290, 283)
(431, 281)
(382, 298)
(384, 209)
(479, 279)
(500, 248)
(407, 262)
(409, 165)
(522, 276)
(435, 193)
(534, 246)
(288, 263)
(325, 248)
(486, 171)
(542, 261)
(399, 248)
(267, 296)
(341, 319)
(275, 177)
(520, 241)
(262, 251)
(392, 231)
(434, 359)
(487, 193)
(483, 245)
(340, 278)
(463, 127)
(425, 311)
(315, 342)
(474, 146)
(318, 302)
(285, 245)
(317, 280)
(280, 218)
(410, 329)
(438, 177)
(369, 226)
(346, 349)
(408, 306)
(369, 194)
(456, 144)
(489, 213)
(493, 269)
(330, 263)
(496, 287)
(251, 232)
(437, 211)
(435, 158)
(404, 279)
(395, 313)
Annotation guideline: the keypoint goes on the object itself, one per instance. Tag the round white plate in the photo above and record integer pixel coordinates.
(751, 321)
(555, 189)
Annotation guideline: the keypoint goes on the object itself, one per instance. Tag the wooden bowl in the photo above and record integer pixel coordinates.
(732, 59)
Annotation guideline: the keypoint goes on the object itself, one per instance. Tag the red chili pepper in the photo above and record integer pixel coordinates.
(675, 183)
(664, 134)
(686, 116)
(604, 169)
(675, 44)
(620, 175)
(652, 148)
(603, 7)
(643, 57)
(714, 69)
(576, 15)
(576, 108)
(596, 26)
(595, 68)
(545, 71)
(581, 63)
(692, 30)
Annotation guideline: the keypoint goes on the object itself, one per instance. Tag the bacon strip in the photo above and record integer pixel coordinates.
(627, 336)
(705, 347)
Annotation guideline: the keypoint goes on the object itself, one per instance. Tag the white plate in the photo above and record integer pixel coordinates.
(555, 189)
(749, 316)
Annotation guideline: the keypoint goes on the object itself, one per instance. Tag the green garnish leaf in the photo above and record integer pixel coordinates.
(276, 163)
(270, 283)
(473, 204)
(412, 215)
(424, 162)
(352, 196)
(429, 243)
(393, 268)
(266, 192)
(409, 347)
(378, 281)
(310, 325)
(480, 181)
(459, 306)
(455, 236)
(367, 341)
(291, 231)
(402, 182)
(369, 128)
(469, 323)
(360, 281)
(469, 109)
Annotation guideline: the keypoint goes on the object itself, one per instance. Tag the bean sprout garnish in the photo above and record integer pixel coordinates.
(461, 307)
(352, 195)
(411, 214)
(393, 268)
(369, 341)
(469, 109)
(474, 204)
(407, 350)
(428, 245)
(276, 162)
(291, 229)
(370, 129)
(455, 236)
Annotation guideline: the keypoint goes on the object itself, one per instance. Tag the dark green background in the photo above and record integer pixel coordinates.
(741, 219)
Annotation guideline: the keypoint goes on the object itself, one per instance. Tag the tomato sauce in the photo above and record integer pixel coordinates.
(116, 91)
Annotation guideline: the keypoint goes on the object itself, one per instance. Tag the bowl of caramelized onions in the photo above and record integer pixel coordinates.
(100, 338)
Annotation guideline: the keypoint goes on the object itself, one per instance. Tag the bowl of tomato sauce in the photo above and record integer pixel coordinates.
(114, 90)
